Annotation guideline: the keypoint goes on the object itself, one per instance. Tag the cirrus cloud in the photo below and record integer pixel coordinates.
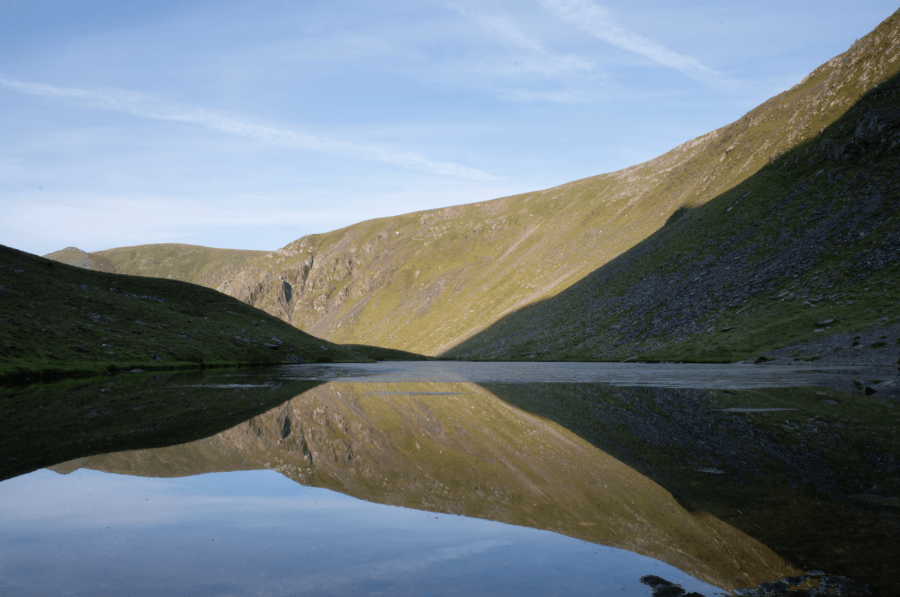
(599, 23)
(146, 105)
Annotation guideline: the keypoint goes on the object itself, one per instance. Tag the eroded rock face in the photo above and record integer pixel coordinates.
(456, 448)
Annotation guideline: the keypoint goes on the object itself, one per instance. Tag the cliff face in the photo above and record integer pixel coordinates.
(427, 281)
(456, 448)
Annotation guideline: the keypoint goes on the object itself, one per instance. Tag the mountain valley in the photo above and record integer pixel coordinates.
(776, 230)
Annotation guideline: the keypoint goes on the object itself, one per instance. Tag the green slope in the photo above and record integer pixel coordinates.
(427, 281)
(78, 258)
(55, 318)
(806, 248)
(201, 265)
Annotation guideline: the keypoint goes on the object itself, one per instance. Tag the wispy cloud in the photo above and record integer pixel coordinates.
(598, 21)
(401, 568)
(502, 29)
(533, 57)
(526, 67)
(145, 105)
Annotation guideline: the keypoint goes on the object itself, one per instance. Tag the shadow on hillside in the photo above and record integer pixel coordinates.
(705, 259)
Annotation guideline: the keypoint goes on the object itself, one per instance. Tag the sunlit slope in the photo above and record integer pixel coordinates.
(200, 265)
(426, 281)
(78, 258)
(457, 448)
(806, 248)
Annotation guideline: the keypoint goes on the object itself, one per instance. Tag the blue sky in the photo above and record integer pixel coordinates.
(250, 124)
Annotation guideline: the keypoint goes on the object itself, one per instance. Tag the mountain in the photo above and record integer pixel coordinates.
(804, 254)
(474, 280)
(78, 258)
(190, 263)
(59, 318)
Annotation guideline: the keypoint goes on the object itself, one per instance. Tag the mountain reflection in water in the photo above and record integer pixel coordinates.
(458, 448)
(712, 469)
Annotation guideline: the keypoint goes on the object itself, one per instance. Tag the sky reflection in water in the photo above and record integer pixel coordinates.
(257, 532)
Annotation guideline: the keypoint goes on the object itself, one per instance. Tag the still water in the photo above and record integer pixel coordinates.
(451, 479)
(259, 533)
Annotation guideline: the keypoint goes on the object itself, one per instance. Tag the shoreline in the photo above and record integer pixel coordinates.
(28, 373)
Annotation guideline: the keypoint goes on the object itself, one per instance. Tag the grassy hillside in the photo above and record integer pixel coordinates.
(806, 248)
(427, 281)
(201, 265)
(78, 258)
(56, 318)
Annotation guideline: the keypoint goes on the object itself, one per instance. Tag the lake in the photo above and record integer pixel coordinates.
(447, 478)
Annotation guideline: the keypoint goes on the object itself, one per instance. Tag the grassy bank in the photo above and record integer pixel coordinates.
(27, 372)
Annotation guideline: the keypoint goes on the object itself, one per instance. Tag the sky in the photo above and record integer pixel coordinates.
(248, 125)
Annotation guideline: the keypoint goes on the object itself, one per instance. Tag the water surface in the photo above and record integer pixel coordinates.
(665, 375)
(258, 533)
(575, 479)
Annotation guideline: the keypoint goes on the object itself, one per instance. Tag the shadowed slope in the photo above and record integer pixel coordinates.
(55, 318)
